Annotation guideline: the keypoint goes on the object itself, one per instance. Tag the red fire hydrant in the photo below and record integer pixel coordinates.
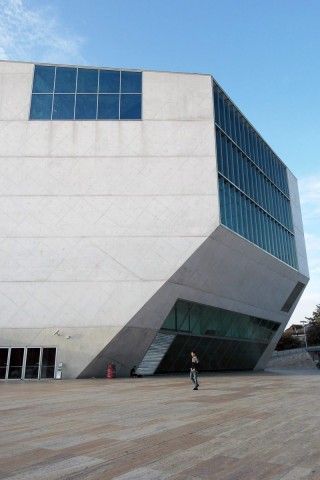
(111, 371)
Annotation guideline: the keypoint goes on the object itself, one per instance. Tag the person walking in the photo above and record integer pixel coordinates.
(194, 370)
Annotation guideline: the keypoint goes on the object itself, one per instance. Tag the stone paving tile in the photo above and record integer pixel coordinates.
(236, 427)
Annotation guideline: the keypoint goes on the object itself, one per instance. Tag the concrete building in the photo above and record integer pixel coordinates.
(142, 216)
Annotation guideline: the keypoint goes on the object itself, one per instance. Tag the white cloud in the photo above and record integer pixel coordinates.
(36, 35)
(309, 188)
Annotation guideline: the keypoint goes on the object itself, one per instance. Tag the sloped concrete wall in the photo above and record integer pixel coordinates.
(294, 361)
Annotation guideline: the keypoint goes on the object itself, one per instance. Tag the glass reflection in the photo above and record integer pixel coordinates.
(86, 107)
(41, 106)
(108, 107)
(197, 319)
(76, 85)
(131, 82)
(109, 81)
(63, 107)
(130, 107)
(43, 80)
(87, 80)
(65, 80)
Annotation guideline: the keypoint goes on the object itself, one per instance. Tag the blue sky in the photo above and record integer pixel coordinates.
(264, 53)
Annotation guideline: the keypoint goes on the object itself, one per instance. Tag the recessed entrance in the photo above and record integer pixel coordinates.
(27, 363)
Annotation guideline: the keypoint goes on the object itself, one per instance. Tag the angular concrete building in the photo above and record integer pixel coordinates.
(142, 216)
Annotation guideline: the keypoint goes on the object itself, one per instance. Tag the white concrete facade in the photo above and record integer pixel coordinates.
(97, 218)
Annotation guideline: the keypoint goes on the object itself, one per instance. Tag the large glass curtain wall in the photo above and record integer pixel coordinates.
(197, 319)
(69, 93)
(222, 339)
(254, 195)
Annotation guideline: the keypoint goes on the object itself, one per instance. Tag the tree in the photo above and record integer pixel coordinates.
(315, 315)
(313, 329)
(313, 334)
(287, 342)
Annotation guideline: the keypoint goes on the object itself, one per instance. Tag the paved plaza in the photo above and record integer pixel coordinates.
(255, 426)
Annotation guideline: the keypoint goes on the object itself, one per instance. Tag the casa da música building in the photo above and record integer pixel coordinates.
(142, 217)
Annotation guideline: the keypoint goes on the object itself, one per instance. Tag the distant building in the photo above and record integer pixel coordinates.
(142, 217)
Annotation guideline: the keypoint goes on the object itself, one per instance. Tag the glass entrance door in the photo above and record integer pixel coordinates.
(3, 363)
(32, 363)
(19, 363)
(16, 363)
(48, 362)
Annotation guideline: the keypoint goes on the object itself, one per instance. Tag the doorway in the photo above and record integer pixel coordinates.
(27, 363)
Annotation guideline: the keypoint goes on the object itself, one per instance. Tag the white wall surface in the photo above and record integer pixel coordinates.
(95, 216)
(297, 225)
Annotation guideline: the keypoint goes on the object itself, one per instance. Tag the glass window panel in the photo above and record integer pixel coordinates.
(237, 328)
(249, 218)
(277, 203)
(264, 191)
(183, 310)
(108, 107)
(225, 157)
(263, 157)
(240, 170)
(219, 154)
(222, 112)
(239, 213)
(237, 128)
(289, 215)
(48, 361)
(130, 107)
(267, 233)
(254, 225)
(278, 173)
(233, 125)
(109, 81)
(254, 183)
(43, 80)
(86, 107)
(244, 216)
(246, 131)
(216, 106)
(273, 173)
(185, 325)
(16, 363)
(259, 187)
(235, 225)
(250, 179)
(131, 82)
(63, 107)
(242, 134)
(41, 106)
(87, 80)
(32, 363)
(277, 232)
(282, 243)
(3, 362)
(230, 161)
(227, 116)
(170, 321)
(262, 229)
(222, 200)
(235, 166)
(252, 156)
(272, 233)
(227, 189)
(225, 322)
(285, 219)
(65, 80)
(257, 226)
(195, 317)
